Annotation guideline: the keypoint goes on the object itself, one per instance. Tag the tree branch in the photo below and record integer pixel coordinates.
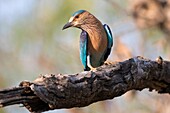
(78, 90)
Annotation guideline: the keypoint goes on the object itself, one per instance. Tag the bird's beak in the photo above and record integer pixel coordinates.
(69, 24)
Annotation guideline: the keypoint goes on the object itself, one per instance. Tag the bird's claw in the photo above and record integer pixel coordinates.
(93, 69)
(108, 63)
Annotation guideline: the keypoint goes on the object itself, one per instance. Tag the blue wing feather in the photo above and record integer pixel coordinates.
(109, 40)
(83, 48)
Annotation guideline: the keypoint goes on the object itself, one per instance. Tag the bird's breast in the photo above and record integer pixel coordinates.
(97, 45)
(97, 41)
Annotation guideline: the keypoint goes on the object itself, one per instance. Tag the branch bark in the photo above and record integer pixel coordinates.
(50, 92)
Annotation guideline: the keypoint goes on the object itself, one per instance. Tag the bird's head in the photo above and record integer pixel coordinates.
(78, 19)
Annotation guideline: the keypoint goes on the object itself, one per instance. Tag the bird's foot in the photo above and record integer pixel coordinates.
(108, 63)
(93, 69)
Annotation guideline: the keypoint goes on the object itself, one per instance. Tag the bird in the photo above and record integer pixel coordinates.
(96, 39)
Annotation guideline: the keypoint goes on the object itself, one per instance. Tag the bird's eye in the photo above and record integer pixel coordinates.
(77, 16)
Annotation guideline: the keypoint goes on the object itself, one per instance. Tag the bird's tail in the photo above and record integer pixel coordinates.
(87, 69)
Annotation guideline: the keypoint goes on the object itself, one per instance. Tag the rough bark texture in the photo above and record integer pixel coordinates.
(78, 90)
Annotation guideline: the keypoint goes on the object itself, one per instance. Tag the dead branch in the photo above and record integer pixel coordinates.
(78, 90)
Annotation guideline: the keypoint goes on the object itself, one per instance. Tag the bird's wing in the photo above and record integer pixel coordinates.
(109, 40)
(83, 48)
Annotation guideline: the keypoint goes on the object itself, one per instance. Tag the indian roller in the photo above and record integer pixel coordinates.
(96, 39)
